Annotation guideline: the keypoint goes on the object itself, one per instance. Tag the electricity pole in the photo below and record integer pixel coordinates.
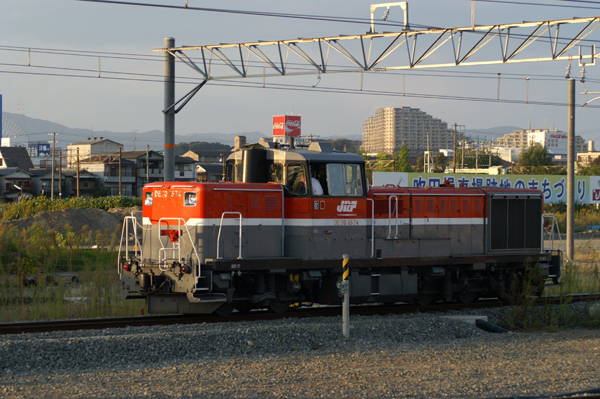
(169, 146)
(571, 172)
(120, 192)
(77, 172)
(454, 158)
(53, 150)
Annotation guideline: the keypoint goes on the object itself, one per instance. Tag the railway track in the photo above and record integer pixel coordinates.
(303, 312)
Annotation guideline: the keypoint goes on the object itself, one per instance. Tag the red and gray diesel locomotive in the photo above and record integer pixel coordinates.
(273, 234)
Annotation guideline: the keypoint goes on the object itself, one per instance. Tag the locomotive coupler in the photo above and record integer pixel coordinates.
(132, 265)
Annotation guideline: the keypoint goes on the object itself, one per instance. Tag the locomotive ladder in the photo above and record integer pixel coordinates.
(391, 207)
(239, 215)
(553, 223)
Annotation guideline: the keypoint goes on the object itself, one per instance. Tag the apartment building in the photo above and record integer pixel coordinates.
(554, 141)
(392, 128)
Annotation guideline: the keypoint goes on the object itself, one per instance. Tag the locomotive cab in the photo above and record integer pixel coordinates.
(303, 172)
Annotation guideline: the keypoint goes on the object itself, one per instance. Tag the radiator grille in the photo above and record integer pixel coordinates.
(515, 222)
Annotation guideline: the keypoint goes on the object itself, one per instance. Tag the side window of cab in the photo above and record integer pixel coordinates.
(276, 173)
(296, 179)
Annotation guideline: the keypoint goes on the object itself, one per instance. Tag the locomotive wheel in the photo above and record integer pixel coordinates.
(425, 299)
(428, 293)
(279, 306)
(225, 309)
(467, 297)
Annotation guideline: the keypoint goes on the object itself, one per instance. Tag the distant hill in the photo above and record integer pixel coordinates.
(37, 129)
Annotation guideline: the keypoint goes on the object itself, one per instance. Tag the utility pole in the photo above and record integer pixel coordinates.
(571, 172)
(462, 154)
(456, 126)
(147, 160)
(52, 178)
(454, 160)
(60, 174)
(120, 192)
(77, 172)
(169, 111)
(428, 155)
(477, 155)
(135, 132)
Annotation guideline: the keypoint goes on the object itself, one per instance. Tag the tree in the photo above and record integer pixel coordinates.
(382, 156)
(402, 163)
(535, 156)
(420, 161)
(471, 160)
(440, 163)
(182, 148)
(345, 145)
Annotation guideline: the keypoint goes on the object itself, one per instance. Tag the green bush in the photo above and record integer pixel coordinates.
(30, 207)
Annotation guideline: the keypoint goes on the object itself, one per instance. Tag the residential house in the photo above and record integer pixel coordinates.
(208, 156)
(144, 175)
(90, 147)
(15, 183)
(15, 179)
(185, 169)
(112, 172)
(209, 172)
(15, 157)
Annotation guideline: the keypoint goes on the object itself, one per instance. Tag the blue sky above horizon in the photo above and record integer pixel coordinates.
(128, 105)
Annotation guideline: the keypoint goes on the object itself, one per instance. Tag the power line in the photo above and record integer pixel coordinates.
(522, 3)
(243, 12)
(432, 73)
(377, 93)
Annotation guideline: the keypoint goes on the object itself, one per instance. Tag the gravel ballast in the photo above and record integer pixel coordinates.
(395, 356)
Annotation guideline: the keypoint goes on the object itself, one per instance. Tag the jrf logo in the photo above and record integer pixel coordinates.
(346, 206)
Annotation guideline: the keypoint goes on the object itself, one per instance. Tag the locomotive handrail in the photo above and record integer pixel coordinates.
(553, 222)
(390, 216)
(177, 247)
(240, 233)
(125, 231)
(372, 226)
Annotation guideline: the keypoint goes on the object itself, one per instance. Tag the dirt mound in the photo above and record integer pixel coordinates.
(95, 219)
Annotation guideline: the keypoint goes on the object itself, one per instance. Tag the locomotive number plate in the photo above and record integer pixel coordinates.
(345, 222)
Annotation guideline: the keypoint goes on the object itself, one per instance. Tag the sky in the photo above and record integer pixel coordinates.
(77, 46)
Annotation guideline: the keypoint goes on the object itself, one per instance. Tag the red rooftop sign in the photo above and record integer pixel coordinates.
(286, 125)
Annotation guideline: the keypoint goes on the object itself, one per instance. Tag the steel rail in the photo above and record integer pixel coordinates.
(325, 311)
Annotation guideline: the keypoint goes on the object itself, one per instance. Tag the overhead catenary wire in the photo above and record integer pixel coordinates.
(140, 77)
(309, 88)
(327, 18)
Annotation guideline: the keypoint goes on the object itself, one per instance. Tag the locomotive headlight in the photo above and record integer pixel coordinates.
(186, 269)
(148, 199)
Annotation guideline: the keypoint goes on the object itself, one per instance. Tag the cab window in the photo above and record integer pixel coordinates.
(344, 180)
(276, 173)
(233, 172)
(296, 179)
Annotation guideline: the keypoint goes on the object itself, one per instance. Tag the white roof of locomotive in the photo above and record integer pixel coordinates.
(316, 152)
